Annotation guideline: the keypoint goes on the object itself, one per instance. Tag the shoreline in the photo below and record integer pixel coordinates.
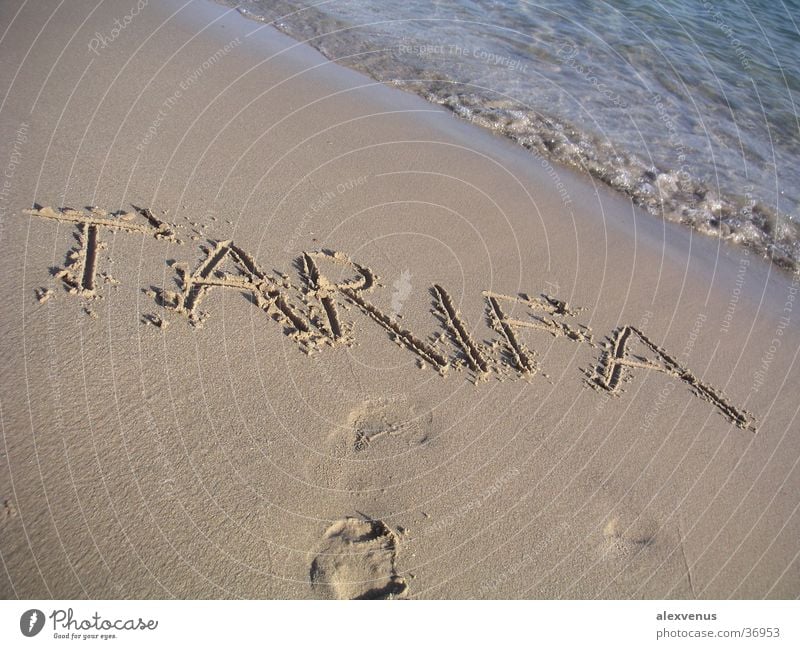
(674, 194)
(229, 372)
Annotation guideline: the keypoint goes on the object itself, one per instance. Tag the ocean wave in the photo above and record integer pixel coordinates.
(688, 192)
(672, 194)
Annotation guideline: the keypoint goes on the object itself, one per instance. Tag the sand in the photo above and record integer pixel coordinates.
(271, 330)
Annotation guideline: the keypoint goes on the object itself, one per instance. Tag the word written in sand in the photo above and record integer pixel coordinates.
(311, 313)
(80, 272)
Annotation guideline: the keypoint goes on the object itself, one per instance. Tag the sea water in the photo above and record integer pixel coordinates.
(689, 107)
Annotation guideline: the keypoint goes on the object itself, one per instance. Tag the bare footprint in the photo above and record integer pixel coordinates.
(382, 422)
(8, 511)
(641, 555)
(621, 541)
(356, 560)
(372, 447)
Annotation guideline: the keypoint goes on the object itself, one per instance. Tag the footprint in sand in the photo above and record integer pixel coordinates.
(396, 426)
(642, 554)
(356, 560)
(621, 541)
(8, 511)
(370, 449)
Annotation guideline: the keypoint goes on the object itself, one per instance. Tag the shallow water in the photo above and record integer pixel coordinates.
(689, 107)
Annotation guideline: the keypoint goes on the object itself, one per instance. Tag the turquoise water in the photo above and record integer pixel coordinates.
(689, 107)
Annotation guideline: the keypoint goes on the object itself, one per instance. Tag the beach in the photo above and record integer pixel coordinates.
(274, 330)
